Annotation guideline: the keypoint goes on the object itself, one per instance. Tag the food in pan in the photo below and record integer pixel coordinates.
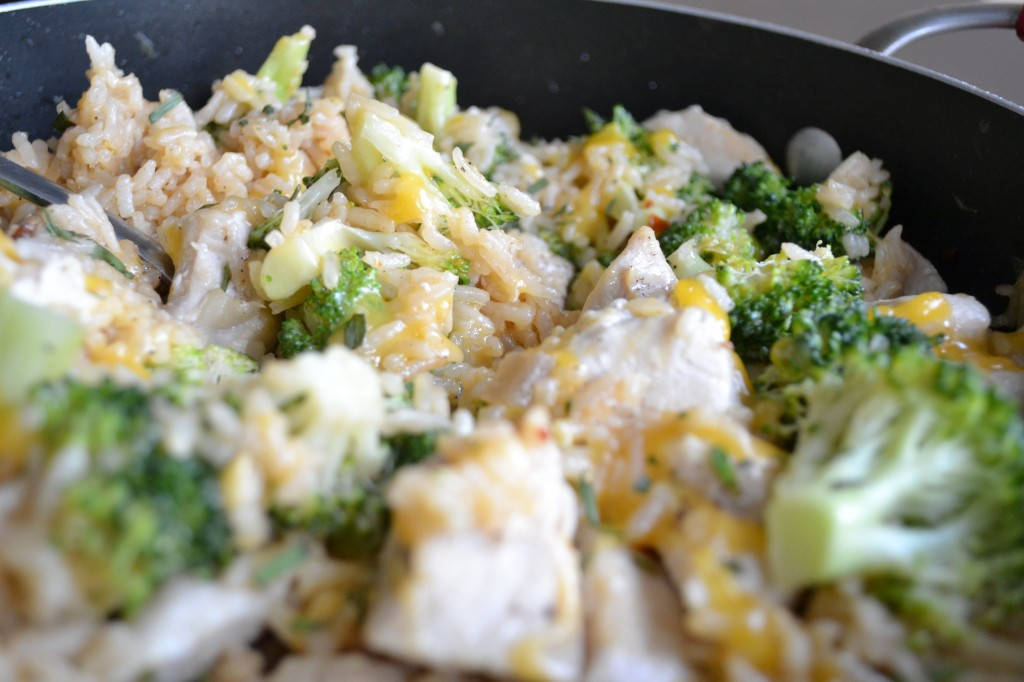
(426, 396)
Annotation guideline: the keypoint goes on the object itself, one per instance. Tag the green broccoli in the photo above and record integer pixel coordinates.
(698, 190)
(714, 232)
(40, 345)
(769, 296)
(354, 525)
(380, 133)
(412, 245)
(817, 342)
(138, 516)
(792, 214)
(637, 135)
(389, 83)
(436, 102)
(318, 190)
(908, 471)
(408, 448)
(327, 310)
(286, 63)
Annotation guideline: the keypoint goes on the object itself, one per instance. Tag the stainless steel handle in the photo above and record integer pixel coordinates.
(911, 27)
(38, 190)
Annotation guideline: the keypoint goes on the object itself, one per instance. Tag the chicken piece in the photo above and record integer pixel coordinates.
(640, 271)
(724, 148)
(481, 574)
(899, 270)
(211, 288)
(180, 632)
(634, 620)
(349, 667)
(632, 360)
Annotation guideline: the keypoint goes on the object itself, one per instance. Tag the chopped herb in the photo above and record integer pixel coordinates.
(642, 484)
(174, 100)
(594, 120)
(225, 277)
(98, 252)
(303, 624)
(243, 121)
(355, 331)
(104, 254)
(589, 501)
(57, 232)
(304, 116)
(280, 564)
(537, 186)
(215, 130)
(62, 122)
(268, 110)
(722, 466)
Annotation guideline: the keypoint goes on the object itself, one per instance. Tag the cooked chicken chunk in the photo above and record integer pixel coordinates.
(724, 148)
(640, 271)
(630, 360)
(212, 289)
(634, 620)
(899, 270)
(347, 667)
(481, 574)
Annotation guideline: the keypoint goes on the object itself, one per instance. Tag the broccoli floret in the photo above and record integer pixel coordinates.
(408, 448)
(389, 83)
(772, 294)
(817, 342)
(792, 214)
(126, 530)
(138, 516)
(351, 526)
(698, 190)
(287, 62)
(104, 419)
(715, 232)
(625, 125)
(436, 101)
(354, 525)
(380, 133)
(40, 345)
(909, 471)
(200, 365)
(319, 189)
(329, 309)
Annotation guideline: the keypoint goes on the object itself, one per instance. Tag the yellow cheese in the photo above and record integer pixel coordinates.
(409, 203)
(691, 292)
(932, 314)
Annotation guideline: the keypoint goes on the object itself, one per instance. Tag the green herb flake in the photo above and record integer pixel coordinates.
(104, 254)
(589, 501)
(62, 122)
(721, 464)
(174, 100)
(303, 117)
(537, 186)
(642, 484)
(282, 563)
(225, 277)
(56, 231)
(355, 331)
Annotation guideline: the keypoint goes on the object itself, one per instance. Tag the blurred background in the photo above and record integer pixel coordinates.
(990, 59)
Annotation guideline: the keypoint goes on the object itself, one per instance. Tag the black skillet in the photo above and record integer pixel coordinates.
(956, 154)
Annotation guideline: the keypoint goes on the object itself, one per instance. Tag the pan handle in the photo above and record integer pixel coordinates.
(911, 27)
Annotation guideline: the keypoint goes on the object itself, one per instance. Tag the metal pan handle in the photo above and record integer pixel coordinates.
(911, 27)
